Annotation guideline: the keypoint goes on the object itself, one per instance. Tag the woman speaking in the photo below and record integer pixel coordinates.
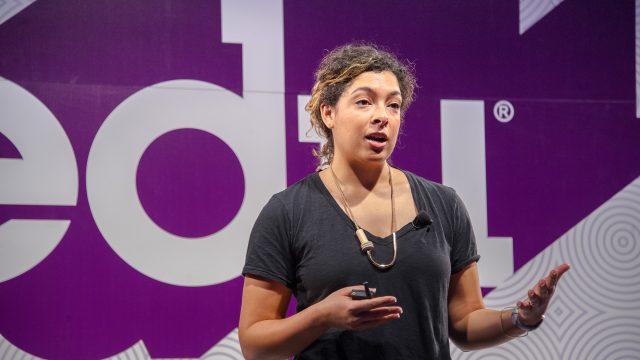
(381, 261)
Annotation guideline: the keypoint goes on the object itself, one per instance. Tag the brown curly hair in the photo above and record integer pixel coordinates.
(336, 72)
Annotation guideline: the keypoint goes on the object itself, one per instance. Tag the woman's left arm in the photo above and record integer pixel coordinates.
(472, 326)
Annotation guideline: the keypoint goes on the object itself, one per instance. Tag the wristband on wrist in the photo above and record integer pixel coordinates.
(511, 310)
(516, 323)
(515, 320)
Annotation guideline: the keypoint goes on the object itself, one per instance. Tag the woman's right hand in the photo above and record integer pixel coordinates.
(341, 312)
(265, 332)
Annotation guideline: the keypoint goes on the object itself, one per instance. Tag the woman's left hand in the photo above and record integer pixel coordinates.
(534, 306)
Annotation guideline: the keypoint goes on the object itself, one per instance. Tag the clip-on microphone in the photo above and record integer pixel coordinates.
(421, 220)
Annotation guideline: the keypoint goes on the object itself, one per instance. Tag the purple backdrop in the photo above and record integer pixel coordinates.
(572, 145)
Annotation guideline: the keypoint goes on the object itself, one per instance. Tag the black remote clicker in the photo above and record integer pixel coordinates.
(362, 294)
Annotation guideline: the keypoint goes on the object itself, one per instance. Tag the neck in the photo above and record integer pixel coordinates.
(366, 175)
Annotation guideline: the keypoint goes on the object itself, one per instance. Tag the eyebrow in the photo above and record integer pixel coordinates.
(368, 89)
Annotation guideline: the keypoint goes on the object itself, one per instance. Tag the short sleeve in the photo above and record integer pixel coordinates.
(464, 250)
(269, 252)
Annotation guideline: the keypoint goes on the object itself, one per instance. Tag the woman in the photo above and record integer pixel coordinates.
(360, 220)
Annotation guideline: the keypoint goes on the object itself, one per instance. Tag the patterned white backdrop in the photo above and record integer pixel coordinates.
(595, 313)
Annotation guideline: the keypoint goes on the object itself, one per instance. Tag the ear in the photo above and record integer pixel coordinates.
(328, 113)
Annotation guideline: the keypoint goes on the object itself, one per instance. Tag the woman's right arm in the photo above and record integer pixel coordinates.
(265, 333)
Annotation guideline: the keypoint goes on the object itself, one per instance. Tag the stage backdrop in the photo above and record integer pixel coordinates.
(140, 139)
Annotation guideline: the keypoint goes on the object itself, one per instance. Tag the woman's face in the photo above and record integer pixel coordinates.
(366, 120)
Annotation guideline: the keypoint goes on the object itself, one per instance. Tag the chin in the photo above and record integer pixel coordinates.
(379, 157)
(371, 156)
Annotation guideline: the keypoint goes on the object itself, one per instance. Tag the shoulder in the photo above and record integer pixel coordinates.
(301, 189)
(432, 187)
(297, 197)
(439, 200)
(281, 212)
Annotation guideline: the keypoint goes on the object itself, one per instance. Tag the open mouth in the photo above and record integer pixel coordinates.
(377, 137)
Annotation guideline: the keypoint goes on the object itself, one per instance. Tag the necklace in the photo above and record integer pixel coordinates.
(366, 246)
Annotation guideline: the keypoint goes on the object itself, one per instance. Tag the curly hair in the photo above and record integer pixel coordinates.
(336, 72)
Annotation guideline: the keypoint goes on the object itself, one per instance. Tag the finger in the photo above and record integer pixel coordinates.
(368, 304)
(552, 279)
(557, 273)
(541, 289)
(376, 314)
(347, 290)
(531, 295)
(525, 304)
(380, 311)
(534, 299)
(562, 268)
(383, 309)
(371, 323)
(544, 290)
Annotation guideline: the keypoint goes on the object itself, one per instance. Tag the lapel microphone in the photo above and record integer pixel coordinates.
(421, 220)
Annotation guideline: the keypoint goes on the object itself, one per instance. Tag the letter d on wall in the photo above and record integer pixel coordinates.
(178, 104)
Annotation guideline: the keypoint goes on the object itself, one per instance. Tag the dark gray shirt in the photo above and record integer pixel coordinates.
(304, 240)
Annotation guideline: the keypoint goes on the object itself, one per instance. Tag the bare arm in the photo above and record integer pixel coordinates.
(265, 333)
(472, 326)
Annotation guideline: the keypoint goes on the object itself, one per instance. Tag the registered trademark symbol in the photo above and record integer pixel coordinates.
(503, 111)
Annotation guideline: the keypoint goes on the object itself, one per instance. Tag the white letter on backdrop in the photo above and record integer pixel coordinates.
(46, 175)
(464, 169)
(179, 104)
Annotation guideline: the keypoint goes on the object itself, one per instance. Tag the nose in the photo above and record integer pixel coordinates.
(381, 117)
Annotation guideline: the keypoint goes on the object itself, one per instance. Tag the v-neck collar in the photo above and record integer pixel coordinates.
(376, 239)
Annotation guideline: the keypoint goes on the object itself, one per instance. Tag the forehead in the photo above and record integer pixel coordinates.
(384, 81)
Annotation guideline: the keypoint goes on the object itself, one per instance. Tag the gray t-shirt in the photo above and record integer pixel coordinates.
(304, 240)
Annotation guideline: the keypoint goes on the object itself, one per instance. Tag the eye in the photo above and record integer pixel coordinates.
(363, 102)
(394, 106)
